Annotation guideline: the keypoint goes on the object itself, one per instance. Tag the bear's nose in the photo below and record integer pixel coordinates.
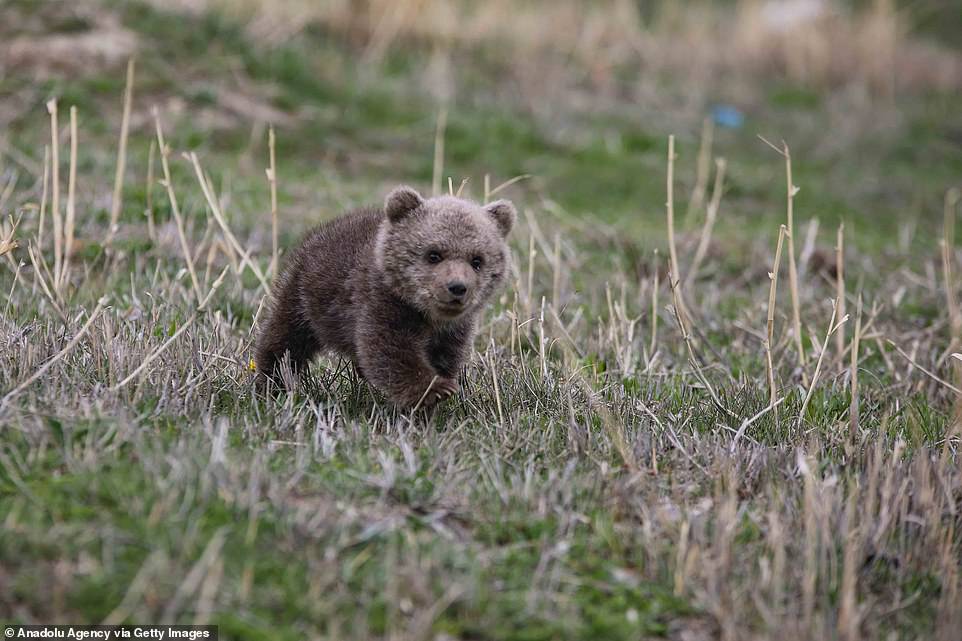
(457, 288)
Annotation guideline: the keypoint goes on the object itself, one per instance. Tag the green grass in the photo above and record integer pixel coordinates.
(597, 491)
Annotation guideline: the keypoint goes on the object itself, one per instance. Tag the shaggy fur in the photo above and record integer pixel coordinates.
(397, 290)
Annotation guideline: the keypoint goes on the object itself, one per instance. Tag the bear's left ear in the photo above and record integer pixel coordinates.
(503, 213)
(401, 202)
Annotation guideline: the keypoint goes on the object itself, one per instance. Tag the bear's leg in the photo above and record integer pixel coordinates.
(399, 367)
(450, 349)
(284, 338)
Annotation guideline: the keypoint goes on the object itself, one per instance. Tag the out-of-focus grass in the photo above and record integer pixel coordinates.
(581, 486)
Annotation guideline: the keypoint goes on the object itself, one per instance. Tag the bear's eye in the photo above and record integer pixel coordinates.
(434, 257)
(476, 263)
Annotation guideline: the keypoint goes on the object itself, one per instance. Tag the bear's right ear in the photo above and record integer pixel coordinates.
(401, 202)
(503, 213)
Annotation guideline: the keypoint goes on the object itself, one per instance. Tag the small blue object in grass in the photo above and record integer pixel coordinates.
(727, 116)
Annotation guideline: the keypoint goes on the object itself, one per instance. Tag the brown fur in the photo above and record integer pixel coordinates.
(370, 286)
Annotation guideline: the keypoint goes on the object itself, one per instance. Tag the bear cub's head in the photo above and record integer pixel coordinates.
(444, 256)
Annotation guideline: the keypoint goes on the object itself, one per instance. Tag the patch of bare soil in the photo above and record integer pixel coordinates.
(56, 38)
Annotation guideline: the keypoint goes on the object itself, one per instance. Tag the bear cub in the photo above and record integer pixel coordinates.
(397, 289)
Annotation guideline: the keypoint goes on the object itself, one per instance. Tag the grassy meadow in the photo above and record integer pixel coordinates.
(719, 399)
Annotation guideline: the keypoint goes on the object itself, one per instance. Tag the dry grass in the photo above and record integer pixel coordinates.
(818, 42)
(611, 469)
(720, 534)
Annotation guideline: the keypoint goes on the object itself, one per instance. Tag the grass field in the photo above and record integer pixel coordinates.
(736, 416)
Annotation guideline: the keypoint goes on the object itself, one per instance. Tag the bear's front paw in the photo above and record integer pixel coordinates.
(441, 389)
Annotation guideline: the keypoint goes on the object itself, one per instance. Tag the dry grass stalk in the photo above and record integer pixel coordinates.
(272, 180)
(55, 200)
(8, 243)
(675, 278)
(947, 247)
(653, 346)
(71, 218)
(43, 194)
(853, 411)
(702, 168)
(439, 150)
(417, 406)
(57, 357)
(174, 208)
(529, 289)
(911, 360)
(952, 197)
(776, 543)
(792, 270)
(791, 191)
(505, 185)
(556, 272)
(232, 241)
(711, 215)
(852, 560)
(149, 191)
(811, 539)
(748, 421)
(542, 343)
(497, 389)
(770, 323)
(7, 192)
(117, 200)
(832, 328)
(13, 287)
(39, 269)
(681, 557)
(840, 285)
(693, 359)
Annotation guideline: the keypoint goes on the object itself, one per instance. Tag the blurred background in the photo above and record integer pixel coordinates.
(577, 96)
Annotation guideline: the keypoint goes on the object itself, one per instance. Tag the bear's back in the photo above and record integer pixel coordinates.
(332, 262)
